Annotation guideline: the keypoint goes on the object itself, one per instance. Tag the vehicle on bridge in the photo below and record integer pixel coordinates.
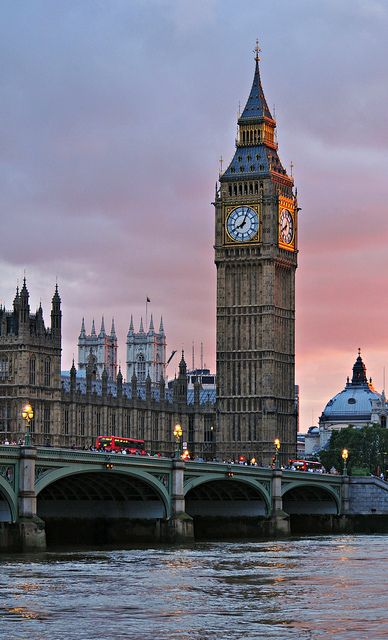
(306, 465)
(117, 444)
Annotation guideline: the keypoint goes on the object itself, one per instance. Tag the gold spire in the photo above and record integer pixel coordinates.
(257, 50)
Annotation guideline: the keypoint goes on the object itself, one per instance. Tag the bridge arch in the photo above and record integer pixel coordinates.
(310, 498)
(118, 492)
(8, 506)
(217, 495)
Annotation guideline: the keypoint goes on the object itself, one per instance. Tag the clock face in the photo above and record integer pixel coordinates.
(286, 226)
(242, 224)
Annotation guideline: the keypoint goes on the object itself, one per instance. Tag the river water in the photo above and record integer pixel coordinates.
(310, 587)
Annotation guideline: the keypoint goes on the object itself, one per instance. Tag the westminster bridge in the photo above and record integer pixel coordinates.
(78, 496)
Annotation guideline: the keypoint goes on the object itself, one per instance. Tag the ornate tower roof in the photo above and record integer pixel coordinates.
(359, 371)
(256, 147)
(256, 107)
(56, 301)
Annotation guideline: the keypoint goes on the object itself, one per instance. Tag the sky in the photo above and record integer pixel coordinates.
(113, 117)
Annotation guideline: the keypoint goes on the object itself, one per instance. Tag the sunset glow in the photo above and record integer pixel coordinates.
(113, 118)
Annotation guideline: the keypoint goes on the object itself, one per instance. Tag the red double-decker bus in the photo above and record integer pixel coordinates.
(306, 465)
(117, 444)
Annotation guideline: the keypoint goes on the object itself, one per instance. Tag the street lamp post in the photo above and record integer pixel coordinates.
(277, 447)
(345, 455)
(27, 415)
(178, 436)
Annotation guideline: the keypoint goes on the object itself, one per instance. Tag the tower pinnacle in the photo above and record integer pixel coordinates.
(257, 50)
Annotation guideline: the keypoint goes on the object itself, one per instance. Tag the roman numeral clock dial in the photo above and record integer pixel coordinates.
(242, 224)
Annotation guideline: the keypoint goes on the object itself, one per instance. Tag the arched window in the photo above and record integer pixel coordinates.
(141, 368)
(383, 421)
(32, 369)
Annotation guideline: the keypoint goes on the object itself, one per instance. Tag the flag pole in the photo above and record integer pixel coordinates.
(147, 301)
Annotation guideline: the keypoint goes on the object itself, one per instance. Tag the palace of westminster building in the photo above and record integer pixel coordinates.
(256, 223)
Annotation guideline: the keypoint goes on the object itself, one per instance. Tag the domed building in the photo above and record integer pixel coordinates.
(354, 406)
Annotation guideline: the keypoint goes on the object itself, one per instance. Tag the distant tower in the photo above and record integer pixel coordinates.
(146, 353)
(102, 346)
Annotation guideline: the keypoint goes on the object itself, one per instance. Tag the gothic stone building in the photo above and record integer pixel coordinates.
(256, 257)
(74, 410)
(30, 368)
(102, 347)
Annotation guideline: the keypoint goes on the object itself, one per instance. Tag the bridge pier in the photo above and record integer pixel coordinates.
(32, 533)
(180, 527)
(345, 495)
(279, 523)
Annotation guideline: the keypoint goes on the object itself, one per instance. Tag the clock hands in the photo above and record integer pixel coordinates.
(239, 226)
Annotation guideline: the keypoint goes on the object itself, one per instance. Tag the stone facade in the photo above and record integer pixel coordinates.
(146, 352)
(73, 410)
(30, 369)
(256, 257)
(100, 350)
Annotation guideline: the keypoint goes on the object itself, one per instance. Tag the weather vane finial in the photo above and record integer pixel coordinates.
(257, 50)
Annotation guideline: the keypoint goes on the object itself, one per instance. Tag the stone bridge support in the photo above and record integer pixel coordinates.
(345, 495)
(31, 528)
(280, 521)
(180, 526)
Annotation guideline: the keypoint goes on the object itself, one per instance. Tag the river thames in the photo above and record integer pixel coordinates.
(308, 587)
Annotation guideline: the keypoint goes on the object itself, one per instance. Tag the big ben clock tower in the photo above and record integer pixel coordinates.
(256, 258)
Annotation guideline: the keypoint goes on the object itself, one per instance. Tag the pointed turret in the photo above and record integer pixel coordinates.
(256, 106)
(102, 329)
(16, 301)
(73, 378)
(83, 331)
(24, 303)
(151, 327)
(119, 383)
(141, 330)
(134, 386)
(39, 320)
(56, 315)
(256, 154)
(161, 328)
(131, 329)
(104, 382)
(182, 365)
(113, 330)
(93, 332)
(359, 371)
